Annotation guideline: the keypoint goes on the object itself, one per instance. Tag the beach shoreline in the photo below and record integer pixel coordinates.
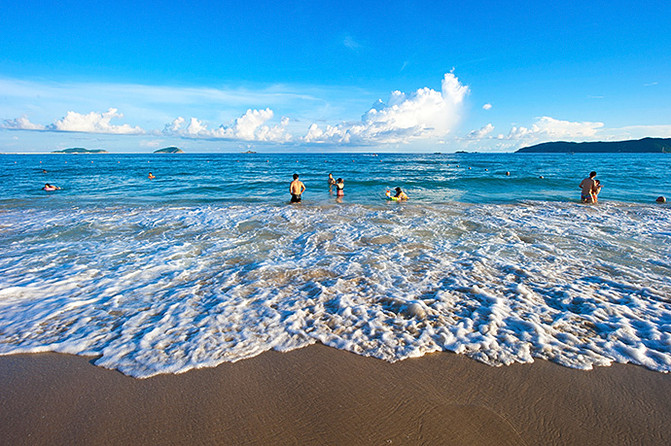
(320, 395)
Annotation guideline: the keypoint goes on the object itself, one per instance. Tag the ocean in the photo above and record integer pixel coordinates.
(209, 262)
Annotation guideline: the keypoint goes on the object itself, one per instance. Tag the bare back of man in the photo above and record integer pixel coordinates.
(586, 186)
(296, 189)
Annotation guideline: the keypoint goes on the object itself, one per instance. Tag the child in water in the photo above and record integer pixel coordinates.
(594, 193)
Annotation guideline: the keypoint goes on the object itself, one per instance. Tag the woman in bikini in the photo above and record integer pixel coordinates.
(340, 185)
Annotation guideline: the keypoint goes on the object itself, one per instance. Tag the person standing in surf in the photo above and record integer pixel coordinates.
(296, 189)
(332, 182)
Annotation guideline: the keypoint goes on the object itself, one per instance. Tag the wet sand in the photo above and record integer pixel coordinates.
(319, 395)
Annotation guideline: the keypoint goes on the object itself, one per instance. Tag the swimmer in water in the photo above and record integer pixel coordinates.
(49, 187)
(340, 186)
(151, 176)
(400, 195)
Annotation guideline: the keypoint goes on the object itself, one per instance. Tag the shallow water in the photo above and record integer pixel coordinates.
(208, 263)
(264, 178)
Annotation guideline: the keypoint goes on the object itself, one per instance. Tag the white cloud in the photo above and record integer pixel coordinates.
(487, 106)
(248, 127)
(174, 127)
(152, 143)
(21, 123)
(481, 133)
(197, 128)
(547, 128)
(637, 132)
(94, 123)
(314, 133)
(151, 106)
(423, 114)
(544, 129)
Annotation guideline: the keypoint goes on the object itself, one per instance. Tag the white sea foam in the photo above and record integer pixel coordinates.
(164, 290)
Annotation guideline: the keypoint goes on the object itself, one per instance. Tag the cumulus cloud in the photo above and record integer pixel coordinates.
(76, 122)
(425, 113)
(21, 123)
(481, 133)
(174, 127)
(94, 123)
(544, 129)
(547, 128)
(251, 126)
(487, 106)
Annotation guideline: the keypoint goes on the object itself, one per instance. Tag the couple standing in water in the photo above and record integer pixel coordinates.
(590, 188)
(339, 184)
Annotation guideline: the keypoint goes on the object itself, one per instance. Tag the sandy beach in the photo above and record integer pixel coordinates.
(319, 395)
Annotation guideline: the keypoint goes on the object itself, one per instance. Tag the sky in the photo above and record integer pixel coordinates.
(331, 76)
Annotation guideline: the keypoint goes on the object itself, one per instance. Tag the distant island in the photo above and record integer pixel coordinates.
(80, 150)
(249, 151)
(169, 150)
(645, 145)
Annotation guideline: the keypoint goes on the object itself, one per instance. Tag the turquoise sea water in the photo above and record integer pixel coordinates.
(209, 263)
(263, 178)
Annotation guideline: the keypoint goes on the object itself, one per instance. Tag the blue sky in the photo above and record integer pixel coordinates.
(331, 76)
